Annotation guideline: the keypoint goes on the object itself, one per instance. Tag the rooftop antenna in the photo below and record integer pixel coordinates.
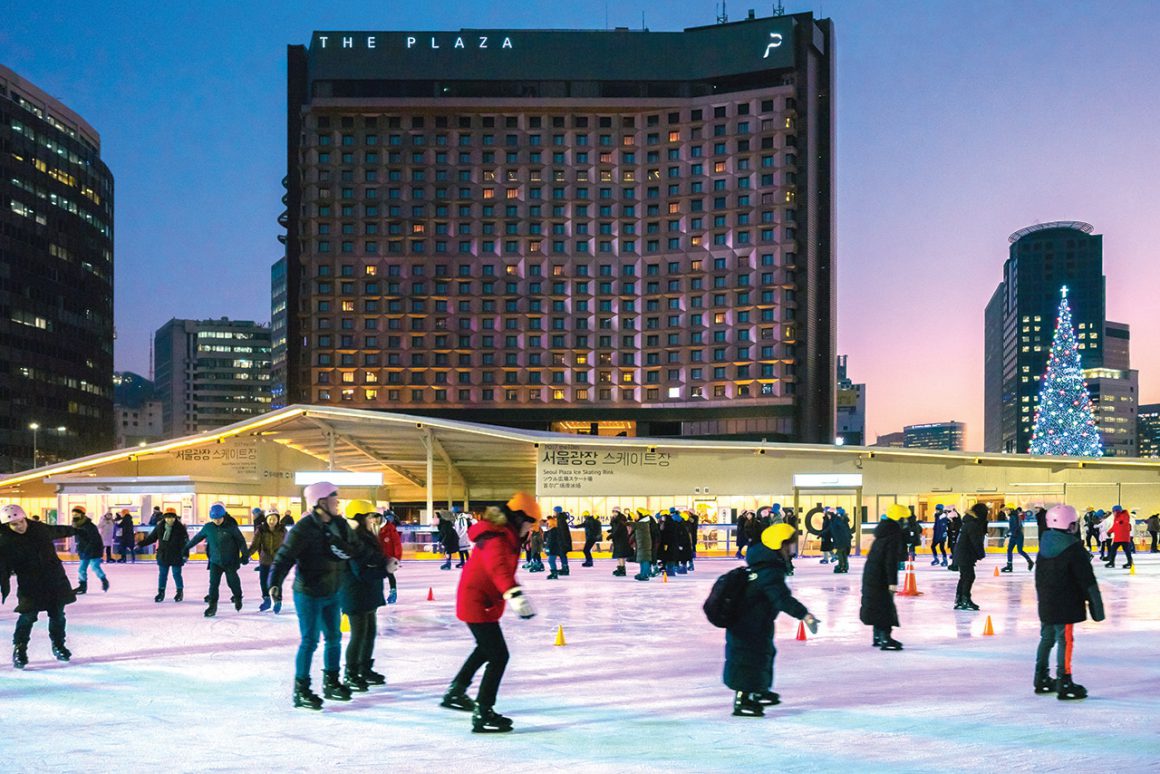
(779, 9)
(605, 14)
(722, 15)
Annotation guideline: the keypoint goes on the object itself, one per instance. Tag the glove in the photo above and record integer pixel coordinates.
(1096, 603)
(276, 593)
(892, 589)
(811, 623)
(519, 602)
(392, 565)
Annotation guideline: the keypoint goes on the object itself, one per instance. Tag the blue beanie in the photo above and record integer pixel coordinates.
(217, 511)
(776, 507)
(939, 507)
(840, 511)
(557, 509)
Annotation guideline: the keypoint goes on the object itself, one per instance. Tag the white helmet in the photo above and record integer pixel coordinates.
(11, 513)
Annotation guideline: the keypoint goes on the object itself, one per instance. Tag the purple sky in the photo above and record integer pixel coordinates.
(958, 123)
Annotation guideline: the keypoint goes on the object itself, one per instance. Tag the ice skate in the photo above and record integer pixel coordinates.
(266, 604)
(553, 575)
(237, 603)
(640, 577)
(586, 564)
(768, 699)
(681, 570)
(392, 597)
(485, 720)
(889, 643)
(277, 606)
(180, 595)
(332, 688)
(944, 562)
(746, 705)
(934, 562)
(20, 656)
(1044, 683)
(564, 571)
(456, 698)
(1067, 690)
(620, 572)
(690, 565)
(970, 603)
(211, 611)
(304, 697)
(82, 588)
(60, 651)
(1030, 565)
(961, 604)
(446, 565)
(160, 596)
(355, 680)
(104, 584)
(370, 676)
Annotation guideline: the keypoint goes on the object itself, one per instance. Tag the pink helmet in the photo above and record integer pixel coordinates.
(1061, 517)
(318, 491)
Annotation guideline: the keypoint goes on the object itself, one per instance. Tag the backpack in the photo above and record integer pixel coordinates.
(724, 604)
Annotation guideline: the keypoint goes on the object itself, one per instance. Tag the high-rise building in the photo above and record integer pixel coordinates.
(595, 231)
(278, 317)
(851, 408)
(1148, 430)
(935, 435)
(211, 373)
(56, 261)
(1115, 392)
(895, 440)
(138, 414)
(1020, 321)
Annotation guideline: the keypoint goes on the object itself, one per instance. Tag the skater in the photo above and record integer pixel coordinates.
(1121, 535)
(317, 547)
(536, 548)
(742, 534)
(269, 534)
(89, 548)
(448, 537)
(155, 517)
(674, 540)
(969, 549)
(108, 522)
(362, 595)
(591, 537)
(127, 537)
(654, 527)
(558, 542)
(1105, 528)
(392, 545)
(749, 648)
(938, 539)
(170, 536)
(913, 536)
(1091, 529)
(27, 550)
(226, 549)
(692, 523)
(1015, 538)
(462, 525)
(880, 577)
(840, 534)
(622, 550)
(954, 527)
(1064, 581)
(827, 540)
(642, 534)
(1154, 529)
(487, 583)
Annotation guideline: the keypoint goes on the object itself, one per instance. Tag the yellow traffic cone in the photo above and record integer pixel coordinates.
(344, 627)
(1132, 569)
(560, 635)
(988, 630)
(664, 577)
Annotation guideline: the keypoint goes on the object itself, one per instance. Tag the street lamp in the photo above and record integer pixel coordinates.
(34, 426)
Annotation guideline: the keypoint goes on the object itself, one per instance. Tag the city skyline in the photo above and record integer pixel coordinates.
(918, 173)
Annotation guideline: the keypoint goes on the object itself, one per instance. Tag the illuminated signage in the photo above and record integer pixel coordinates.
(429, 42)
(827, 480)
(337, 477)
(775, 40)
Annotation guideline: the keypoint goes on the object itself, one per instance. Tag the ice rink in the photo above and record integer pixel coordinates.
(636, 688)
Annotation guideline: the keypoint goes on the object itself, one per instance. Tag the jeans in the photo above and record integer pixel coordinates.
(264, 573)
(361, 646)
(646, 569)
(1015, 543)
(966, 580)
(1127, 544)
(843, 559)
(490, 649)
(1052, 635)
(83, 571)
(939, 545)
(552, 562)
(588, 544)
(317, 615)
(163, 576)
(26, 620)
(1154, 536)
(215, 581)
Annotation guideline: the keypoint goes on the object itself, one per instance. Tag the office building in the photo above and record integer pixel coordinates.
(1148, 430)
(136, 410)
(851, 429)
(891, 440)
(935, 435)
(1115, 393)
(278, 317)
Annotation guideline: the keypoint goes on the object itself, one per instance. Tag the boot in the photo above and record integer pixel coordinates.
(565, 571)
(747, 705)
(485, 720)
(446, 565)
(1068, 690)
(355, 680)
(889, 643)
(620, 572)
(179, 595)
(160, 596)
(1007, 568)
(640, 577)
(265, 605)
(1044, 683)
(1030, 565)
(20, 656)
(877, 643)
(456, 698)
(237, 602)
(82, 588)
(104, 584)
(392, 597)
(304, 697)
(211, 611)
(970, 603)
(370, 676)
(333, 689)
(553, 575)
(768, 699)
(586, 563)
(60, 651)
(277, 606)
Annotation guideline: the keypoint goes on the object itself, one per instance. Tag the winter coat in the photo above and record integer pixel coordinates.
(363, 590)
(558, 539)
(1064, 580)
(536, 542)
(742, 531)
(753, 529)
(655, 533)
(127, 538)
(674, 542)
(1015, 524)
(940, 527)
(106, 528)
(913, 531)
(1154, 523)
(225, 545)
(618, 536)
(448, 536)
(880, 573)
(564, 530)
(749, 649)
(41, 579)
(642, 530)
(489, 573)
(971, 545)
(88, 541)
(1122, 527)
(462, 525)
(391, 541)
(826, 536)
(591, 528)
(171, 552)
(319, 552)
(266, 542)
(691, 522)
(840, 533)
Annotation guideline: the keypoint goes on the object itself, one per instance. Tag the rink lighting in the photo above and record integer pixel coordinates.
(826, 480)
(337, 477)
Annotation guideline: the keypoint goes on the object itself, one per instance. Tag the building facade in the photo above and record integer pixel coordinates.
(851, 429)
(1148, 430)
(211, 373)
(137, 413)
(602, 232)
(896, 440)
(935, 435)
(56, 281)
(1019, 323)
(278, 334)
(1115, 393)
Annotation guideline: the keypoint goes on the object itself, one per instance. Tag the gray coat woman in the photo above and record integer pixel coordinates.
(105, 527)
(642, 530)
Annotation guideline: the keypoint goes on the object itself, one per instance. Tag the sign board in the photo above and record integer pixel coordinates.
(827, 480)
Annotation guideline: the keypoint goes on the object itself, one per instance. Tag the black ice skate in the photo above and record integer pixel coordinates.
(970, 603)
(485, 720)
(746, 705)
(456, 698)
(768, 699)
(180, 595)
(104, 584)
(211, 611)
(1067, 690)
(1007, 568)
(620, 572)
(333, 689)
(889, 643)
(1044, 683)
(355, 680)
(237, 603)
(304, 697)
(60, 651)
(20, 656)
(82, 588)
(553, 575)
(370, 676)
(160, 596)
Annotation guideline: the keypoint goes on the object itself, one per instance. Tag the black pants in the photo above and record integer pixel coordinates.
(1093, 537)
(1127, 544)
(127, 551)
(361, 646)
(108, 553)
(843, 559)
(490, 649)
(588, 549)
(215, 582)
(966, 580)
(264, 573)
(939, 545)
(26, 620)
(1154, 535)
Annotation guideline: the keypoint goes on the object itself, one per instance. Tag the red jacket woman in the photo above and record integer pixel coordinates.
(1122, 527)
(490, 572)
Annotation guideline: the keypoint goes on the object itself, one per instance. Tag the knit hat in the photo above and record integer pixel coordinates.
(217, 511)
(79, 509)
(980, 510)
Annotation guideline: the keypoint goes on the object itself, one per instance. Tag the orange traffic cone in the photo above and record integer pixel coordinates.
(996, 571)
(664, 577)
(430, 594)
(801, 633)
(560, 635)
(988, 630)
(909, 586)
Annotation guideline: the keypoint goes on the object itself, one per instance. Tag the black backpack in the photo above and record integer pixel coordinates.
(724, 605)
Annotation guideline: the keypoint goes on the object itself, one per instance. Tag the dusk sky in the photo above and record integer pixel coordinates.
(958, 123)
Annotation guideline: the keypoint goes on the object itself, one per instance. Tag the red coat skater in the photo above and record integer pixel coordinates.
(490, 572)
(390, 541)
(1122, 527)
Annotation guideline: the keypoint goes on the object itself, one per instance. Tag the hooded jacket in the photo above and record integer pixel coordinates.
(880, 573)
(363, 590)
(490, 572)
(1064, 580)
(840, 533)
(970, 547)
(88, 540)
(319, 552)
(1121, 531)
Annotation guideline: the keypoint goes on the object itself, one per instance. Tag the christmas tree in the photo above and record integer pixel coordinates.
(1065, 423)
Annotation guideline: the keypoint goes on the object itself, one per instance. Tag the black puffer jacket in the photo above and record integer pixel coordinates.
(43, 584)
(448, 536)
(1064, 580)
(320, 552)
(171, 551)
(840, 533)
(880, 573)
(362, 592)
(971, 547)
(618, 536)
(88, 540)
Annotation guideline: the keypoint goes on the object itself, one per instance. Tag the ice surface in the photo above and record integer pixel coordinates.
(637, 687)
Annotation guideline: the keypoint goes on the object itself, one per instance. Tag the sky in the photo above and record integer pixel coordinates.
(958, 124)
